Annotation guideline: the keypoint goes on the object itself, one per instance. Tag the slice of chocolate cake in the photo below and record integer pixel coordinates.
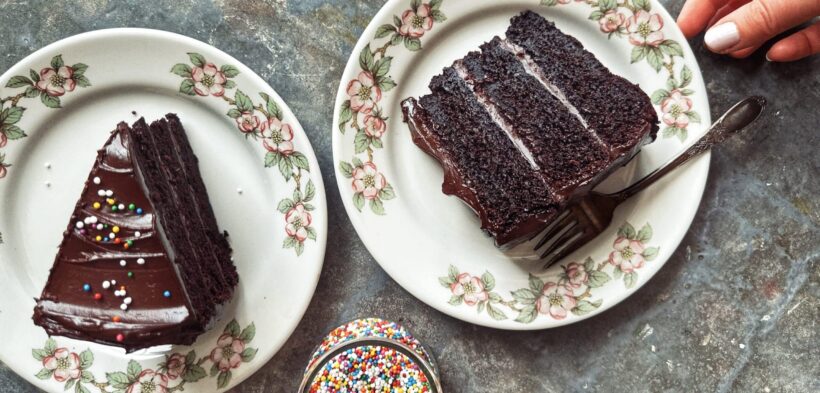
(142, 262)
(527, 125)
(501, 188)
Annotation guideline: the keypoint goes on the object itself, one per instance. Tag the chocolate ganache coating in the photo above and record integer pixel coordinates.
(117, 278)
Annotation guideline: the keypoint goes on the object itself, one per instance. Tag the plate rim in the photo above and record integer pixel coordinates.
(17, 365)
(384, 14)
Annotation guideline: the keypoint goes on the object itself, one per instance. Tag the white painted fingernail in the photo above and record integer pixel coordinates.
(722, 37)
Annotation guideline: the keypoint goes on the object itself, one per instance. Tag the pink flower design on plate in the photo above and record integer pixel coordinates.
(415, 23)
(149, 381)
(374, 126)
(249, 123)
(644, 29)
(577, 275)
(368, 180)
(298, 220)
(363, 92)
(65, 364)
(176, 366)
(56, 82)
(471, 288)
(208, 80)
(674, 109)
(627, 255)
(611, 21)
(279, 138)
(228, 353)
(3, 139)
(3, 171)
(555, 300)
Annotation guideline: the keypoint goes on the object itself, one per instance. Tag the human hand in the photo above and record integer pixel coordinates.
(740, 27)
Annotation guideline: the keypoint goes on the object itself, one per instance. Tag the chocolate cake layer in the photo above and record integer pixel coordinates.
(616, 109)
(453, 128)
(540, 103)
(564, 151)
(137, 266)
(179, 196)
(217, 241)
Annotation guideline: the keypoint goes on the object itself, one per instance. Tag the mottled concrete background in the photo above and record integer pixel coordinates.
(735, 309)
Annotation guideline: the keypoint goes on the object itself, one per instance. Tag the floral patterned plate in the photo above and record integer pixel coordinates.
(58, 106)
(431, 243)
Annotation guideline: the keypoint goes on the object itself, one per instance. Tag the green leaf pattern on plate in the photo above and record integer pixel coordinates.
(362, 113)
(261, 121)
(50, 84)
(172, 374)
(571, 292)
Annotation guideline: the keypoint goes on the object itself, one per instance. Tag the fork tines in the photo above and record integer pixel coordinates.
(561, 236)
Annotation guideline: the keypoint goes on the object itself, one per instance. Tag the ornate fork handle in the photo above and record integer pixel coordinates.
(731, 123)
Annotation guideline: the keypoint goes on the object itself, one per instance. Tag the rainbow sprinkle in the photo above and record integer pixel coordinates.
(369, 367)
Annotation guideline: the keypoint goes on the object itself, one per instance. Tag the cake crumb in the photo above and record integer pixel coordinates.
(48, 183)
(134, 113)
(644, 332)
(742, 346)
(48, 165)
(239, 191)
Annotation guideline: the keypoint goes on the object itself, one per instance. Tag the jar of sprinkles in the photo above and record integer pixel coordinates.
(370, 355)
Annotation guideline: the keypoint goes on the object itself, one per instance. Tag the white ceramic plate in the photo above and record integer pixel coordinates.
(431, 243)
(106, 75)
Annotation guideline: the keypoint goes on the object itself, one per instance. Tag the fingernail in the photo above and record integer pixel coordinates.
(722, 37)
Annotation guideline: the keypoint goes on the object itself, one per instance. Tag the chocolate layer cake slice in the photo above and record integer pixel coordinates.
(528, 124)
(142, 262)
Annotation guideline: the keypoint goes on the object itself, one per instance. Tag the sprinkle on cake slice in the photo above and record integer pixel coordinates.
(139, 265)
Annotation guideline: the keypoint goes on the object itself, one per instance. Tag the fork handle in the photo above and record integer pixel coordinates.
(732, 122)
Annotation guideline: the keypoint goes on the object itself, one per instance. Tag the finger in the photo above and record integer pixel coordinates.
(744, 53)
(756, 22)
(804, 43)
(727, 9)
(696, 14)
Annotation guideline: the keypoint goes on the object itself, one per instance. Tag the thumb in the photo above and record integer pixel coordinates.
(756, 22)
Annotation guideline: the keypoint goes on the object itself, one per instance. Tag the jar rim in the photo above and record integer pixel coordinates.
(428, 368)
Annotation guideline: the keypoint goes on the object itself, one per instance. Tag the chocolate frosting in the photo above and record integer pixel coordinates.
(159, 312)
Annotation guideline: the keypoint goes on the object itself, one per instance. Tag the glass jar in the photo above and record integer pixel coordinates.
(370, 355)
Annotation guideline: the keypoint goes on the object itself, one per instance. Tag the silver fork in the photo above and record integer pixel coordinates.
(585, 219)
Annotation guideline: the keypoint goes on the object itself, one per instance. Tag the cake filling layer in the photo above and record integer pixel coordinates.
(532, 68)
(566, 153)
(493, 111)
(618, 111)
(455, 129)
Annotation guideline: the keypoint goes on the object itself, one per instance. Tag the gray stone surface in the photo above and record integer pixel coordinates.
(735, 309)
